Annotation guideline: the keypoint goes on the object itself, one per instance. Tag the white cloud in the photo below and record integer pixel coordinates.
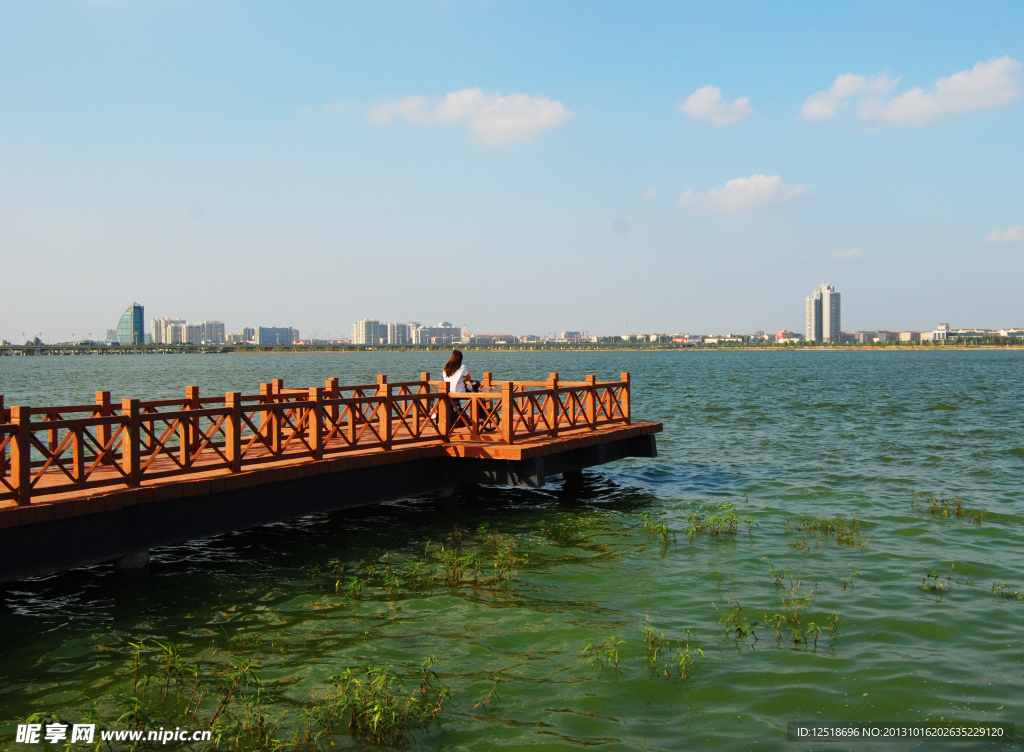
(846, 87)
(1009, 235)
(986, 85)
(853, 254)
(651, 192)
(411, 108)
(707, 103)
(745, 194)
(495, 119)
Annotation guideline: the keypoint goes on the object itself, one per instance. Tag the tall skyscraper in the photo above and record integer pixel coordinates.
(821, 315)
(130, 329)
(369, 332)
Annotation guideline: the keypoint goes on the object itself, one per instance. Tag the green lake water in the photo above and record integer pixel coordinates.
(929, 625)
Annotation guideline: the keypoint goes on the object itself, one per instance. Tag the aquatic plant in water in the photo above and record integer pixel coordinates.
(846, 532)
(663, 660)
(604, 651)
(940, 508)
(658, 528)
(1004, 592)
(724, 522)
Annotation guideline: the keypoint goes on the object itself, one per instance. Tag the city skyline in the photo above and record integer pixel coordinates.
(644, 166)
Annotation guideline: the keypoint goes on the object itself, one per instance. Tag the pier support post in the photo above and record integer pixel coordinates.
(447, 499)
(133, 564)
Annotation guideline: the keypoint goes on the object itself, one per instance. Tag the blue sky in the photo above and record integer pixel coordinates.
(517, 167)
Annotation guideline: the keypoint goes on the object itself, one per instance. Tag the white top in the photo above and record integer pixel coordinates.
(457, 381)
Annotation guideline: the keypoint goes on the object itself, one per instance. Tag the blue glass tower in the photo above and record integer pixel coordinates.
(131, 329)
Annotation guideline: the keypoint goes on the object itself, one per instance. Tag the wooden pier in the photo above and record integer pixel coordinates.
(81, 484)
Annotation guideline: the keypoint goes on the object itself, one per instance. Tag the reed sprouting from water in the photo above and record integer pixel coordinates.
(846, 532)
(944, 509)
(163, 689)
(726, 521)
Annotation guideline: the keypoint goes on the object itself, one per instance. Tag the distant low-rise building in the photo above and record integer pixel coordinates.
(910, 336)
(786, 336)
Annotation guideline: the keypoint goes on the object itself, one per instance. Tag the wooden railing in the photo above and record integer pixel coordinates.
(58, 449)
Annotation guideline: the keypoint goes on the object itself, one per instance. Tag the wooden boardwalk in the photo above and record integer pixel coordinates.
(375, 441)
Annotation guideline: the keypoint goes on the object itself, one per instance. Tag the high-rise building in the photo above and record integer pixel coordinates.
(369, 332)
(168, 331)
(131, 329)
(443, 334)
(821, 315)
(399, 334)
(274, 335)
(212, 332)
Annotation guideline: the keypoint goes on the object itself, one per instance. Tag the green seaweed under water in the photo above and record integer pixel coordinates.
(822, 575)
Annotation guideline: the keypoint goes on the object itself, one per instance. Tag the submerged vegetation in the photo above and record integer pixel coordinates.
(790, 621)
(934, 582)
(723, 522)
(846, 532)
(945, 508)
(372, 698)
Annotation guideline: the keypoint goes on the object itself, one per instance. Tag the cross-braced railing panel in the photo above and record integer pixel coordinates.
(86, 452)
(44, 450)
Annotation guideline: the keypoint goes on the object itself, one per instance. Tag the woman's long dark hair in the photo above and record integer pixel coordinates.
(453, 363)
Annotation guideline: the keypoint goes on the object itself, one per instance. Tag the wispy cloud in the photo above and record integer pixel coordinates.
(852, 254)
(988, 84)
(745, 194)
(493, 118)
(1009, 235)
(651, 192)
(707, 104)
(846, 88)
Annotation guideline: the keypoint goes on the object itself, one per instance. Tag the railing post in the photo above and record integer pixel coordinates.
(485, 382)
(270, 422)
(424, 384)
(553, 404)
(103, 410)
(332, 392)
(192, 395)
(444, 413)
(507, 415)
(474, 417)
(233, 431)
(3, 452)
(21, 454)
(185, 431)
(315, 422)
(590, 402)
(624, 399)
(130, 444)
(384, 410)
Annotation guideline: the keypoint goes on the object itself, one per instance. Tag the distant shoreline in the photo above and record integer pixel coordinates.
(49, 350)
